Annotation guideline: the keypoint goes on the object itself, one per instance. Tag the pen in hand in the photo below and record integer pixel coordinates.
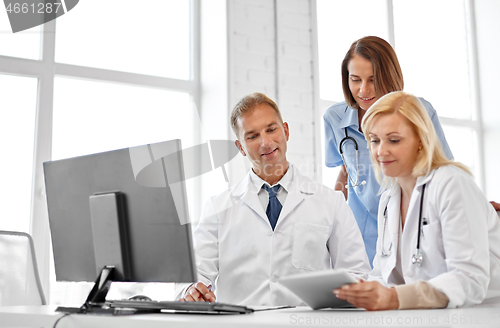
(210, 296)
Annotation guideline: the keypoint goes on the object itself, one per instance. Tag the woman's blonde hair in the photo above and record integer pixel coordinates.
(431, 155)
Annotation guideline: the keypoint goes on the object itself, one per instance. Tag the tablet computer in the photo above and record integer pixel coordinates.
(316, 288)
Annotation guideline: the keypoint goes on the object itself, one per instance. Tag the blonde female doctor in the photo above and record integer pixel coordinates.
(438, 237)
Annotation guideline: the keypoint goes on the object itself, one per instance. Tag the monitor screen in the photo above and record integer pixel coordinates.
(126, 208)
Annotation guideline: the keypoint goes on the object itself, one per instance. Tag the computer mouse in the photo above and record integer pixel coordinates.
(140, 298)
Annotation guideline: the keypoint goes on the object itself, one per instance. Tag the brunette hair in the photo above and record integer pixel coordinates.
(387, 74)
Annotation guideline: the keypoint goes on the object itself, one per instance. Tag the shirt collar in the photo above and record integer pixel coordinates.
(285, 181)
(350, 118)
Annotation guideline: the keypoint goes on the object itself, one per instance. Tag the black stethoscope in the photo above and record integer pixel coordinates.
(345, 139)
(417, 258)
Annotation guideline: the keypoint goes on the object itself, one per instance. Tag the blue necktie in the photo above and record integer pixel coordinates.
(274, 207)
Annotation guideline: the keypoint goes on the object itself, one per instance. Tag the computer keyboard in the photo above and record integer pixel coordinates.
(122, 306)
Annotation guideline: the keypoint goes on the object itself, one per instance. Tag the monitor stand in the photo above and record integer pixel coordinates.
(109, 232)
(97, 295)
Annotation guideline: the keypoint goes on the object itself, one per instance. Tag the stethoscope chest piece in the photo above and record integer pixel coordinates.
(417, 258)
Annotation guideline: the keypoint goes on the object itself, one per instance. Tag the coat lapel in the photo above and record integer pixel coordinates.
(246, 192)
(392, 230)
(299, 189)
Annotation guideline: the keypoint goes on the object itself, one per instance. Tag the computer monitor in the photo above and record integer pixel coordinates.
(124, 208)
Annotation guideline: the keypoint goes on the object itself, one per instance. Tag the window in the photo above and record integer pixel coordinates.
(115, 116)
(25, 44)
(104, 76)
(434, 75)
(149, 38)
(423, 44)
(17, 137)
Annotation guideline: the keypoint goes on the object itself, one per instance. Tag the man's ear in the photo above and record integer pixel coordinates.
(240, 148)
(287, 131)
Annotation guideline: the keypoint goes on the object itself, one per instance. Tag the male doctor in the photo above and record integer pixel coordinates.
(274, 223)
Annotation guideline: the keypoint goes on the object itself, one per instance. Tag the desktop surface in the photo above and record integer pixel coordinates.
(484, 315)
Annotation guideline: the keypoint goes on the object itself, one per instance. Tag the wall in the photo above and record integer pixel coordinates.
(270, 50)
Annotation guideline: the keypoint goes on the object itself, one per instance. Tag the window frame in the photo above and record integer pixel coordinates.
(45, 70)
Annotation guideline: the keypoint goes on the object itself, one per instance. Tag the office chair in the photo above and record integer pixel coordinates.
(19, 280)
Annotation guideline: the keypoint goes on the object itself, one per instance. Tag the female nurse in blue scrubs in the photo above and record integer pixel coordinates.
(370, 70)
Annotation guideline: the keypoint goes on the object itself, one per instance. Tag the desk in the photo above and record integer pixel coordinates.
(484, 315)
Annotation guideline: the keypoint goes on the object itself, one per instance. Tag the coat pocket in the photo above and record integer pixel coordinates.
(431, 245)
(309, 246)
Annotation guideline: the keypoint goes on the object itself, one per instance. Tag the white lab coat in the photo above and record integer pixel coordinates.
(460, 244)
(316, 230)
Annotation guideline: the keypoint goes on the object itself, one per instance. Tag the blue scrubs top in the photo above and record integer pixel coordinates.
(363, 200)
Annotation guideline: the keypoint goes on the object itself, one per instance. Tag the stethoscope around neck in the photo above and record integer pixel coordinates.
(345, 139)
(417, 257)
